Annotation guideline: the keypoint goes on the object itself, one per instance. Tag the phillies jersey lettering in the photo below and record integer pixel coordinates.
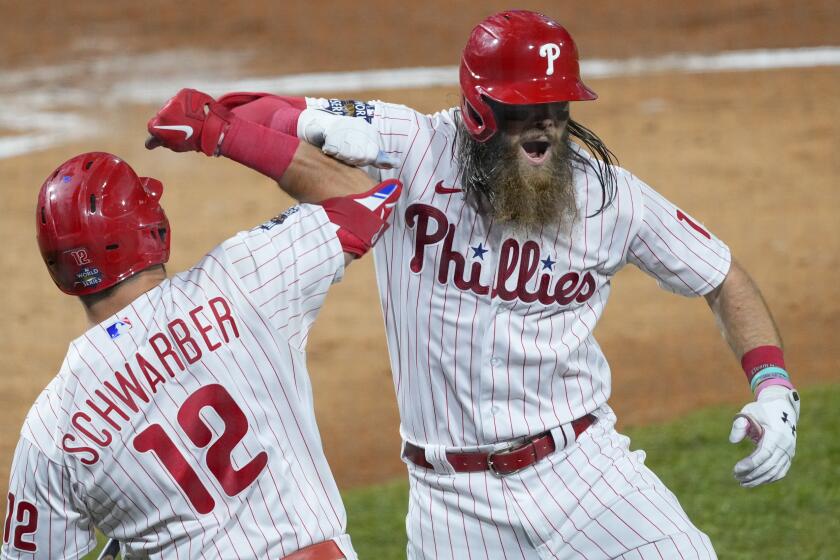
(569, 287)
(117, 398)
(192, 433)
(489, 329)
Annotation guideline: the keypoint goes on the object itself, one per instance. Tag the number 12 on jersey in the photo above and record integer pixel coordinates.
(232, 480)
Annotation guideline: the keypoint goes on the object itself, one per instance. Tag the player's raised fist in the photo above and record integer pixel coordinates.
(189, 121)
(349, 139)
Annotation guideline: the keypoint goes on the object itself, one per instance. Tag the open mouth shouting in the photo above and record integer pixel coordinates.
(536, 151)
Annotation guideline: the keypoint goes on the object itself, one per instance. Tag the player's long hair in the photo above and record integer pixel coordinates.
(604, 161)
(475, 178)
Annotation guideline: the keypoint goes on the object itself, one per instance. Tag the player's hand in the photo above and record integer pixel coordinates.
(349, 139)
(771, 423)
(191, 121)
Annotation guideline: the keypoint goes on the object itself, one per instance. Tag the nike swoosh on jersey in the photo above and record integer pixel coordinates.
(188, 130)
(440, 189)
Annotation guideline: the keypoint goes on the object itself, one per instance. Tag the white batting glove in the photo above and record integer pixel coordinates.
(349, 139)
(771, 423)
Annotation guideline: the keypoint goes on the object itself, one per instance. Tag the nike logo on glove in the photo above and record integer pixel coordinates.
(187, 130)
(440, 189)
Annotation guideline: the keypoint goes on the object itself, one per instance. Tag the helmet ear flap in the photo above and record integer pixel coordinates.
(478, 117)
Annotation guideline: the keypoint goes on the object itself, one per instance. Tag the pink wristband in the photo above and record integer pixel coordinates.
(770, 382)
(264, 150)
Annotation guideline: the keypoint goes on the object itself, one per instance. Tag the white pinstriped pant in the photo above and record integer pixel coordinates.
(593, 500)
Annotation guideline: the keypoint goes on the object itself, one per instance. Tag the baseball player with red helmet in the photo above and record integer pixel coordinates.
(181, 423)
(492, 277)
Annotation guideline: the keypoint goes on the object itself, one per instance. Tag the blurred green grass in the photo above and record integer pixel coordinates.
(795, 519)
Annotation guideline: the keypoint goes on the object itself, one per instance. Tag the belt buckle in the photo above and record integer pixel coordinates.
(510, 449)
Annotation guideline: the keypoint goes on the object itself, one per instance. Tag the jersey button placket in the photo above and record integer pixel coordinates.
(498, 372)
(492, 367)
(490, 362)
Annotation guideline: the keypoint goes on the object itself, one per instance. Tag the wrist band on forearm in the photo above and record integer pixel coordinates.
(277, 112)
(768, 373)
(764, 367)
(264, 150)
(769, 383)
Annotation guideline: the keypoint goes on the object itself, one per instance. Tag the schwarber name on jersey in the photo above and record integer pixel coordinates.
(184, 425)
(490, 330)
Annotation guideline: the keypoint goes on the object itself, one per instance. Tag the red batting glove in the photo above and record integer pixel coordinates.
(363, 218)
(191, 121)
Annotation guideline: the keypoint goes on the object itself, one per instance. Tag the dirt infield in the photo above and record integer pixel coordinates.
(752, 154)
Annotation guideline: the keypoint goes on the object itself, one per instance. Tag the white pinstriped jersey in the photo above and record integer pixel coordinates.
(489, 330)
(184, 425)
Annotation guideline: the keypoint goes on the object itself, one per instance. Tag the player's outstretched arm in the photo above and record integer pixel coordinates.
(352, 140)
(770, 421)
(313, 177)
(194, 121)
(742, 313)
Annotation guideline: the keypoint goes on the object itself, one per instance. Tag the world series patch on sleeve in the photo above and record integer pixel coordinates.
(351, 108)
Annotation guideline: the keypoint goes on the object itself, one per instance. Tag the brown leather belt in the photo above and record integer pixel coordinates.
(326, 550)
(503, 462)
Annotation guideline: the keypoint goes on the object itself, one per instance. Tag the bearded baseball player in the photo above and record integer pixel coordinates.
(181, 422)
(492, 277)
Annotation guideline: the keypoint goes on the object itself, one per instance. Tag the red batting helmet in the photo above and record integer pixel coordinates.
(99, 223)
(520, 58)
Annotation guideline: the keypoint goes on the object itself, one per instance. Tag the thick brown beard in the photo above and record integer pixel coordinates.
(513, 192)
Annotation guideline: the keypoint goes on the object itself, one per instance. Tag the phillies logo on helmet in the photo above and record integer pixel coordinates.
(500, 62)
(551, 52)
(80, 256)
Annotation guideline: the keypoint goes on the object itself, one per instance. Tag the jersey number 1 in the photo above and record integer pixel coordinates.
(232, 480)
(694, 225)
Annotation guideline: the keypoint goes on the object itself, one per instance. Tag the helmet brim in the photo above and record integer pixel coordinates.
(540, 90)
